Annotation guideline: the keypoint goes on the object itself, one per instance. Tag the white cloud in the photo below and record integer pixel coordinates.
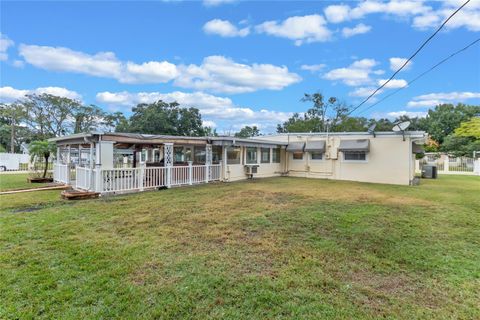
(396, 63)
(337, 13)
(9, 94)
(224, 28)
(433, 99)
(397, 114)
(358, 73)
(301, 29)
(5, 43)
(209, 123)
(216, 73)
(468, 17)
(358, 29)
(214, 3)
(364, 92)
(313, 67)
(102, 64)
(393, 84)
(221, 74)
(212, 108)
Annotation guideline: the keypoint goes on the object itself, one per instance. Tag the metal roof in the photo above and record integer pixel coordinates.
(295, 146)
(355, 145)
(315, 146)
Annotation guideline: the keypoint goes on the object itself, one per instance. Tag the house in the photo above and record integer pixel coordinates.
(125, 162)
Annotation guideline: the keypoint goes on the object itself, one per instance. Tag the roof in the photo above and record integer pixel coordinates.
(418, 134)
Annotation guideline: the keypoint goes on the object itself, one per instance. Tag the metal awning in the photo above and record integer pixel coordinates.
(315, 146)
(355, 145)
(295, 146)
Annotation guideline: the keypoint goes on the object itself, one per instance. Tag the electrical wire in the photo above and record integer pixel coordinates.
(422, 74)
(410, 58)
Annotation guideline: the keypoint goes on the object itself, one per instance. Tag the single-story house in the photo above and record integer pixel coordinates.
(124, 162)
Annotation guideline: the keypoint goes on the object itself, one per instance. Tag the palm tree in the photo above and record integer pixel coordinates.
(42, 149)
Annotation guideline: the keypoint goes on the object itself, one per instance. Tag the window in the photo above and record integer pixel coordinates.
(251, 155)
(199, 154)
(298, 155)
(178, 154)
(216, 154)
(188, 154)
(233, 155)
(316, 155)
(276, 155)
(354, 155)
(265, 156)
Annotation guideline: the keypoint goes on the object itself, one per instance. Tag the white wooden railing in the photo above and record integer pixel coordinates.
(61, 173)
(85, 178)
(144, 178)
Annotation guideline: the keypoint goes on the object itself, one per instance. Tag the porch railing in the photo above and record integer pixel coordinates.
(450, 165)
(144, 178)
(61, 173)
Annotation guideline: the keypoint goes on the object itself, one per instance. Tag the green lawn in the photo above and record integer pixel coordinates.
(281, 248)
(17, 181)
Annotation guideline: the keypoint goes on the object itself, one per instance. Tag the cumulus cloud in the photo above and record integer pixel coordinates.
(397, 114)
(358, 73)
(358, 29)
(5, 43)
(216, 73)
(396, 63)
(224, 28)
(364, 92)
(212, 108)
(468, 17)
(221, 74)
(337, 13)
(301, 29)
(10, 94)
(313, 67)
(393, 84)
(433, 99)
(102, 64)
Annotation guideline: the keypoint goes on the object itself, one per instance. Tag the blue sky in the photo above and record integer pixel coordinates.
(240, 63)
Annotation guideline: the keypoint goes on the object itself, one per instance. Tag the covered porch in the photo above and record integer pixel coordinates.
(117, 163)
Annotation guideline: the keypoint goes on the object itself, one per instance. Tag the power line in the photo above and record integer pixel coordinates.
(411, 57)
(422, 74)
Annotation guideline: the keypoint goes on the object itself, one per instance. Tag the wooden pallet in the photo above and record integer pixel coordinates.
(79, 195)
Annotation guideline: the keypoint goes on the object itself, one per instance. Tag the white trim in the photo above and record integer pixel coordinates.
(355, 161)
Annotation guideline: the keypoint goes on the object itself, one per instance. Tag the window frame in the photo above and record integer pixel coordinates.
(297, 152)
(251, 161)
(269, 152)
(274, 151)
(316, 152)
(239, 158)
(354, 160)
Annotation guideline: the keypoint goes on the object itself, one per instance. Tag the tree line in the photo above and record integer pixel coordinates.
(452, 128)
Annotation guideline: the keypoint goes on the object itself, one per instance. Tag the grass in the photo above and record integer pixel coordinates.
(280, 248)
(17, 181)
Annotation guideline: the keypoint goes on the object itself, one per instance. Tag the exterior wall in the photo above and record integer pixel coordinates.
(389, 160)
(235, 172)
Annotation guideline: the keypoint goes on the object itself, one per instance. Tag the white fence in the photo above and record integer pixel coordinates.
(450, 165)
(61, 173)
(143, 178)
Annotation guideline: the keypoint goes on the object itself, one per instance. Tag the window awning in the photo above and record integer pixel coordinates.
(295, 146)
(315, 146)
(355, 145)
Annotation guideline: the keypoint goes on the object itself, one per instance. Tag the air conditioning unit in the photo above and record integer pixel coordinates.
(429, 171)
(251, 169)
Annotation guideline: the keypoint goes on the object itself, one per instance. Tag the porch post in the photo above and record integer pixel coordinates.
(208, 161)
(190, 173)
(98, 169)
(92, 167)
(68, 165)
(224, 163)
(58, 155)
(476, 166)
(168, 160)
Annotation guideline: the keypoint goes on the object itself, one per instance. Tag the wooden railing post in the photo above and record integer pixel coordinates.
(141, 177)
(446, 164)
(190, 173)
(208, 161)
(168, 160)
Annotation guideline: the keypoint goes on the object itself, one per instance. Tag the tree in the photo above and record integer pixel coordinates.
(469, 128)
(87, 118)
(114, 120)
(14, 114)
(41, 149)
(247, 132)
(316, 119)
(445, 118)
(164, 118)
(50, 116)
